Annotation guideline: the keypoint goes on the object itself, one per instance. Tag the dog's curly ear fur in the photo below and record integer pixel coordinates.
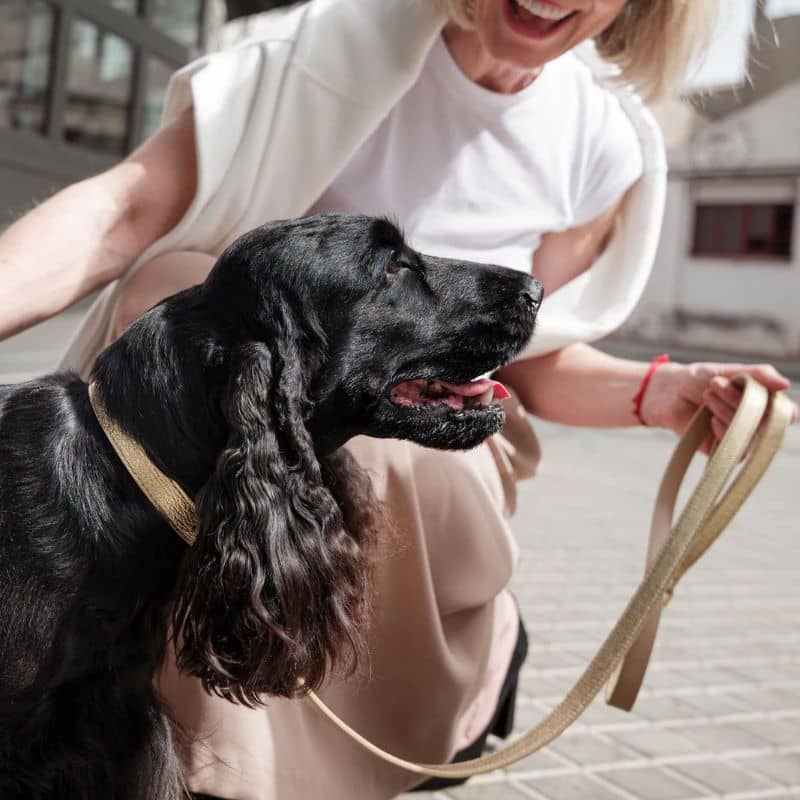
(276, 587)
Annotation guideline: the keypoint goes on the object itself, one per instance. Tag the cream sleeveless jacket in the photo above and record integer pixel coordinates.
(280, 115)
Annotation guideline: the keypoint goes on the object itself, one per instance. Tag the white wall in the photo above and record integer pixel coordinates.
(764, 135)
(739, 305)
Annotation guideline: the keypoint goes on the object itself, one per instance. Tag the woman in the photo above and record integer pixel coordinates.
(483, 132)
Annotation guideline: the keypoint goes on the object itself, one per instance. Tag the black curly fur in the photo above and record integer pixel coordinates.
(242, 389)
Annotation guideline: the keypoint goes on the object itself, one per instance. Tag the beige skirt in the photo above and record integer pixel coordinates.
(440, 644)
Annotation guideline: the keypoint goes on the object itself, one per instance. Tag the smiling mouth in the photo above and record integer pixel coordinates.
(536, 18)
(429, 395)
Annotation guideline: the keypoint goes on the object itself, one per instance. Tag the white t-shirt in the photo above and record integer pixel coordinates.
(475, 174)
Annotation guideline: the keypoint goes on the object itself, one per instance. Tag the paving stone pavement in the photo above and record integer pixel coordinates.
(719, 716)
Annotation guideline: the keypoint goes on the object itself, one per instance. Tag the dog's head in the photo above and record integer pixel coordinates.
(305, 333)
(391, 340)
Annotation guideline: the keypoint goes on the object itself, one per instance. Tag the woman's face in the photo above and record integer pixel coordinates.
(529, 33)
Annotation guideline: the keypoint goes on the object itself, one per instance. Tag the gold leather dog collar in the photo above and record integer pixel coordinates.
(166, 496)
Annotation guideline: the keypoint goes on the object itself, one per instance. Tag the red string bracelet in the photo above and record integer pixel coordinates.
(639, 396)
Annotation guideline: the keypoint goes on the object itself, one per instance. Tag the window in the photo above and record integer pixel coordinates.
(744, 230)
(90, 74)
(98, 89)
(181, 21)
(26, 31)
(128, 6)
(157, 75)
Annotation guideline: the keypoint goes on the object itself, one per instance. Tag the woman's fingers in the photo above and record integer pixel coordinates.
(711, 384)
(763, 373)
(726, 391)
(722, 411)
(718, 428)
(722, 397)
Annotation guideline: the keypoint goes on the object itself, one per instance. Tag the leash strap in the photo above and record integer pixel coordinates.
(625, 684)
(672, 552)
(622, 659)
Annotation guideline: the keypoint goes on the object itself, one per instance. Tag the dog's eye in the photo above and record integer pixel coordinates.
(394, 268)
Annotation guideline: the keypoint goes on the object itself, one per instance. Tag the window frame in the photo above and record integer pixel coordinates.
(146, 41)
(746, 211)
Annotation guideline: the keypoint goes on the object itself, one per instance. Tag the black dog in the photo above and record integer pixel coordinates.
(242, 390)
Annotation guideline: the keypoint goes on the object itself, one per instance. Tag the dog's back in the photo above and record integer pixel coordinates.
(61, 664)
(41, 564)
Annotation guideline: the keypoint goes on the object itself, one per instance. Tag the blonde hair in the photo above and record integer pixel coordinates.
(653, 42)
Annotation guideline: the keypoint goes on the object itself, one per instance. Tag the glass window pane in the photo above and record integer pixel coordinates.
(157, 75)
(718, 229)
(759, 229)
(98, 88)
(704, 230)
(728, 235)
(784, 219)
(128, 6)
(26, 32)
(180, 21)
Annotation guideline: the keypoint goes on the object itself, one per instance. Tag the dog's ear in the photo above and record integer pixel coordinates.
(275, 587)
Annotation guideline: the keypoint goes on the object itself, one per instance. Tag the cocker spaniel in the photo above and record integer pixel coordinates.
(242, 390)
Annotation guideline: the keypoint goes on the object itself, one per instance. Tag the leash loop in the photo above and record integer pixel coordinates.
(622, 659)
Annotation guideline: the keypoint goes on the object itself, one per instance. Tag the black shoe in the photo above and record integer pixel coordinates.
(501, 724)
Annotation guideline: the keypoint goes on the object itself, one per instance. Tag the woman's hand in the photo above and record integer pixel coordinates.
(676, 391)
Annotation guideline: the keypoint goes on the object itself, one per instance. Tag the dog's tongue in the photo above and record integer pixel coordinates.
(476, 388)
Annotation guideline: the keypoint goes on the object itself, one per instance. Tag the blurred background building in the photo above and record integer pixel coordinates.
(82, 83)
(727, 276)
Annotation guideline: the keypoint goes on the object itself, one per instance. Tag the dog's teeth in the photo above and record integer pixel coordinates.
(486, 398)
(435, 386)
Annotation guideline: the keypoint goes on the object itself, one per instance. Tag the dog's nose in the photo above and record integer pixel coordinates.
(532, 297)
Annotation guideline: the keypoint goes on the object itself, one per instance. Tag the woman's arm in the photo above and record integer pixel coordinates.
(563, 256)
(88, 234)
(577, 385)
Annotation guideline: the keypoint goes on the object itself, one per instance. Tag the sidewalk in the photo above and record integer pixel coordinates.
(38, 349)
(720, 712)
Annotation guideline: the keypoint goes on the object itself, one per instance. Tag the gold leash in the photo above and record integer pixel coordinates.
(623, 656)
(622, 659)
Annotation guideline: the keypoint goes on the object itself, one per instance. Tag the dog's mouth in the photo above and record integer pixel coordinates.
(430, 395)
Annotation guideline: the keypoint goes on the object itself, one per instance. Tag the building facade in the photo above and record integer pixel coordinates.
(82, 83)
(727, 274)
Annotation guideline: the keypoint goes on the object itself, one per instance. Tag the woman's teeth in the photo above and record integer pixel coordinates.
(543, 10)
